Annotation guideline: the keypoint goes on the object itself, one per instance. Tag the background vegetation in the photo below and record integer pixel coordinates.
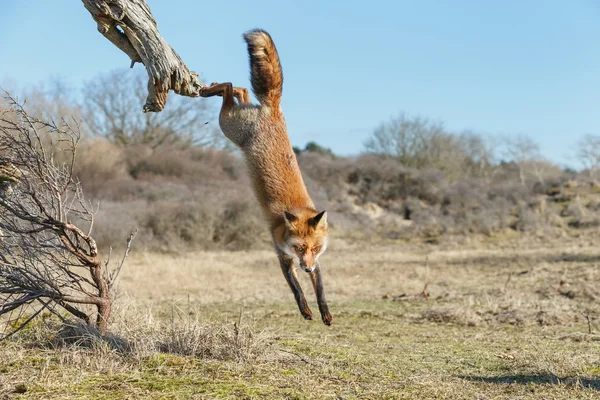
(173, 176)
(462, 266)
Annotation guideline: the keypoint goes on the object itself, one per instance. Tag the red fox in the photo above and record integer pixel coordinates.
(299, 232)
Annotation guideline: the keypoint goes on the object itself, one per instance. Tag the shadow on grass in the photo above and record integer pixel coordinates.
(550, 379)
(73, 333)
(525, 260)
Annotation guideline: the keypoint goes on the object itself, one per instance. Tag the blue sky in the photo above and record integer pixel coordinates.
(496, 67)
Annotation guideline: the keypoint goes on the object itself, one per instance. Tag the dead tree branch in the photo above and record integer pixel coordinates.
(130, 26)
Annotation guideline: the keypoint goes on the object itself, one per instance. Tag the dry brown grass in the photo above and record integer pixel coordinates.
(505, 320)
(489, 275)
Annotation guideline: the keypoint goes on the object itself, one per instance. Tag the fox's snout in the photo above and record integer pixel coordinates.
(308, 264)
(308, 269)
(307, 261)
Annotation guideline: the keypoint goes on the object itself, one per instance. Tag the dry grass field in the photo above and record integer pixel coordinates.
(510, 320)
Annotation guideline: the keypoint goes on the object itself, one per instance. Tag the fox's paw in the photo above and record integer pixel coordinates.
(327, 318)
(215, 84)
(307, 314)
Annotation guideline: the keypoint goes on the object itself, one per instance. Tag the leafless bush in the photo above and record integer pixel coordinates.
(327, 173)
(527, 220)
(112, 218)
(468, 208)
(180, 226)
(239, 225)
(588, 152)
(412, 140)
(212, 341)
(421, 143)
(48, 257)
(209, 223)
(52, 100)
(380, 180)
(525, 153)
(193, 166)
(99, 165)
(576, 210)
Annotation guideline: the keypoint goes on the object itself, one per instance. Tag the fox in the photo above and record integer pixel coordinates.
(299, 232)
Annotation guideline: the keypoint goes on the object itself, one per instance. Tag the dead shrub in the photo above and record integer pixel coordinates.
(239, 226)
(98, 165)
(193, 166)
(382, 180)
(111, 219)
(212, 341)
(180, 226)
(528, 220)
(212, 223)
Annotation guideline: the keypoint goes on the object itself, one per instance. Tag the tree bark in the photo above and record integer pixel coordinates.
(130, 26)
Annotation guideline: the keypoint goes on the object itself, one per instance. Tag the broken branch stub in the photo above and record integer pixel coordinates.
(130, 26)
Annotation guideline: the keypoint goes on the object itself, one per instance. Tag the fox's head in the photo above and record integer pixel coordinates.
(303, 237)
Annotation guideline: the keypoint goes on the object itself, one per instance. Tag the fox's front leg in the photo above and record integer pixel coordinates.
(317, 281)
(289, 271)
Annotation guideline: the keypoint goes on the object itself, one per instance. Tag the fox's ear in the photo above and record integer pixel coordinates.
(319, 220)
(289, 219)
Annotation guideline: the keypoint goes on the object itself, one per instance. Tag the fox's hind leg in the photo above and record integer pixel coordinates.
(220, 89)
(289, 271)
(237, 129)
(226, 90)
(241, 94)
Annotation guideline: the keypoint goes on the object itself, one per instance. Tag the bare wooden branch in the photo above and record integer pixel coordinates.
(46, 257)
(130, 26)
(111, 279)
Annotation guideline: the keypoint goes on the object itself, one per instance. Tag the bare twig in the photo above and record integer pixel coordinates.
(112, 278)
(507, 282)
(588, 317)
(425, 292)
(297, 355)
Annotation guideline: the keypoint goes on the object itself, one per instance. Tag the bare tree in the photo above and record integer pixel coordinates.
(110, 109)
(418, 142)
(523, 151)
(588, 152)
(409, 139)
(480, 154)
(52, 99)
(130, 26)
(48, 257)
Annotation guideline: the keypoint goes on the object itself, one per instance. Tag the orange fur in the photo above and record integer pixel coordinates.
(299, 232)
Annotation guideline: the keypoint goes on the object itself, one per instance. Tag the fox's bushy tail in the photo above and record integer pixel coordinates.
(265, 70)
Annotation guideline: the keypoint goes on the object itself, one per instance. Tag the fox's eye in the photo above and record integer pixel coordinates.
(316, 249)
(299, 249)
